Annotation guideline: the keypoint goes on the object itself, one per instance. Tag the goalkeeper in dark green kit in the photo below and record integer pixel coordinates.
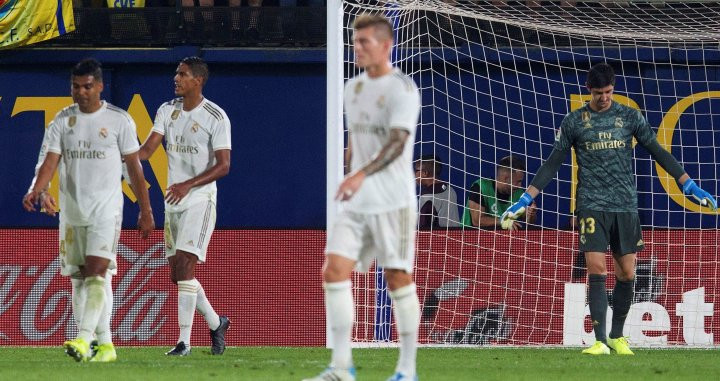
(601, 133)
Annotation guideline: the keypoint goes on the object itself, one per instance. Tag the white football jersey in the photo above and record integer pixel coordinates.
(91, 148)
(191, 139)
(374, 106)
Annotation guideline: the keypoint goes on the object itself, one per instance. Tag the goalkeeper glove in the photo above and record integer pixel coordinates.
(515, 211)
(704, 198)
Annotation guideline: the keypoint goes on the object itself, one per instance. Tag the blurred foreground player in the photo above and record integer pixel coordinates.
(382, 106)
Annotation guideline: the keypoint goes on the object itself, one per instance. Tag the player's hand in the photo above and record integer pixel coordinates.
(704, 198)
(176, 192)
(146, 224)
(530, 212)
(515, 211)
(31, 199)
(48, 204)
(350, 186)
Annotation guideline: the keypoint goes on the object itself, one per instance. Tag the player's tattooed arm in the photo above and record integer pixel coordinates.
(390, 151)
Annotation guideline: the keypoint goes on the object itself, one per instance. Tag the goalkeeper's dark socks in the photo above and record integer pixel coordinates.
(622, 299)
(598, 305)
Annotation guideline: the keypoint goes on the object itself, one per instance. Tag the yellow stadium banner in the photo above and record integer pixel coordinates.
(24, 22)
(126, 3)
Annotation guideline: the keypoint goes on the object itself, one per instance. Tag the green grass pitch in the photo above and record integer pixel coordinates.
(270, 363)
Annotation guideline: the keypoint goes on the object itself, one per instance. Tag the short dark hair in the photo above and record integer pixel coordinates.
(377, 21)
(88, 66)
(510, 163)
(600, 75)
(431, 164)
(198, 67)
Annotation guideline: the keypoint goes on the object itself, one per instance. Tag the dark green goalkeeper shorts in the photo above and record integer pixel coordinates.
(621, 230)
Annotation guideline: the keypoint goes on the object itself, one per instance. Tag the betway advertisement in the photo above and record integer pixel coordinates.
(476, 288)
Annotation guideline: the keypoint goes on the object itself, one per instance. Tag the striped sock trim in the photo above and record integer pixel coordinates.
(191, 286)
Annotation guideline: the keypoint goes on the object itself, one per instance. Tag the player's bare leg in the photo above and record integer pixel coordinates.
(94, 272)
(622, 300)
(597, 298)
(340, 309)
(407, 316)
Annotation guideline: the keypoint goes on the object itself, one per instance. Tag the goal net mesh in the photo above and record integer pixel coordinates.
(496, 79)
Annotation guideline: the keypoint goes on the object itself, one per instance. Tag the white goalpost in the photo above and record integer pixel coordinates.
(496, 79)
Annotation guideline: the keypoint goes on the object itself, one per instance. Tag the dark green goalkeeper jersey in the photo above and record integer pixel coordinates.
(603, 146)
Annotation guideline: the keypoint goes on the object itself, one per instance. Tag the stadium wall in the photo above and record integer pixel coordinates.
(275, 100)
(476, 288)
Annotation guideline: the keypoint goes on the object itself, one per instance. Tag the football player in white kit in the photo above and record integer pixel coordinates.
(92, 138)
(197, 137)
(78, 295)
(382, 106)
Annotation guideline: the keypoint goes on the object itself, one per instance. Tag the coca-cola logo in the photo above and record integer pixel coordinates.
(44, 299)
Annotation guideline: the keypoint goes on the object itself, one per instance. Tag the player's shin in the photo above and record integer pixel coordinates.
(78, 299)
(104, 335)
(95, 291)
(597, 298)
(187, 300)
(206, 310)
(340, 311)
(407, 316)
(622, 299)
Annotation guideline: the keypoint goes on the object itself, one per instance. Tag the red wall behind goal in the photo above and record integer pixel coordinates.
(269, 284)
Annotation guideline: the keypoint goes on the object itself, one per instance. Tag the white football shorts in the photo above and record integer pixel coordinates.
(388, 237)
(99, 240)
(190, 230)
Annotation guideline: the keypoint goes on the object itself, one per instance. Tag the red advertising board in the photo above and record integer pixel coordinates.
(476, 288)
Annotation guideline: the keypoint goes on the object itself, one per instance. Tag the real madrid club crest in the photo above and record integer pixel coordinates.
(586, 119)
(618, 122)
(175, 114)
(103, 132)
(72, 121)
(381, 102)
(357, 90)
(195, 127)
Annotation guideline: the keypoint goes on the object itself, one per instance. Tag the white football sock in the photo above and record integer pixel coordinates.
(407, 318)
(187, 299)
(95, 291)
(340, 311)
(103, 333)
(205, 309)
(78, 299)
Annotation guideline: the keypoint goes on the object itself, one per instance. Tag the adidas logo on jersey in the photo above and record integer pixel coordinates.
(190, 243)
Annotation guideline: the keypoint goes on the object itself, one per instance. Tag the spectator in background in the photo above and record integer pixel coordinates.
(438, 200)
(202, 3)
(487, 199)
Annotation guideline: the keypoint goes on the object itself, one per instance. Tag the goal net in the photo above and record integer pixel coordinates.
(496, 79)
